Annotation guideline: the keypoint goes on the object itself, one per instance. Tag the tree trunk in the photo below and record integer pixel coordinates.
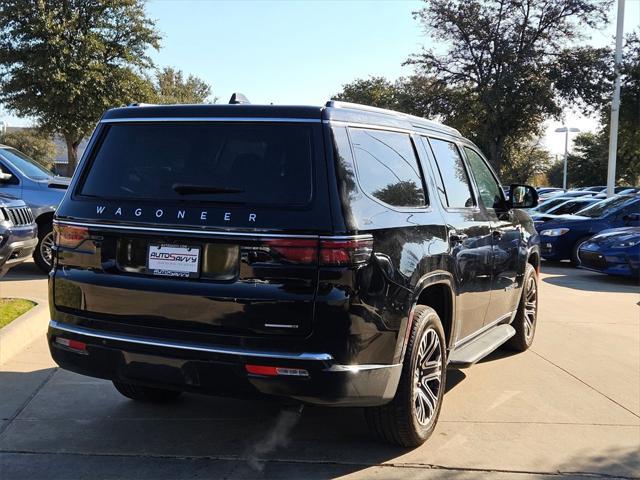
(496, 147)
(72, 154)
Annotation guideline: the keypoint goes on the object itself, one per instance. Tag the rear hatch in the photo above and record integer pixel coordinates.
(200, 227)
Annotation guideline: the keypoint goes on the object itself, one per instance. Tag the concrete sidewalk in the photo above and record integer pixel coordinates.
(570, 406)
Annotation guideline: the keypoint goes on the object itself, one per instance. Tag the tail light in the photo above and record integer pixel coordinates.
(341, 252)
(269, 371)
(297, 250)
(338, 251)
(76, 345)
(71, 236)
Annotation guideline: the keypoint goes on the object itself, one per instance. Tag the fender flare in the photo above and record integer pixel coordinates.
(428, 280)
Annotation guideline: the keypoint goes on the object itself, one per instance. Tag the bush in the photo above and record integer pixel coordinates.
(32, 143)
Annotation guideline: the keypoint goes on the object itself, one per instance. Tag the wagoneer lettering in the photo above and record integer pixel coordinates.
(385, 253)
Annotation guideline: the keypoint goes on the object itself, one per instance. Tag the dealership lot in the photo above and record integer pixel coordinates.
(570, 405)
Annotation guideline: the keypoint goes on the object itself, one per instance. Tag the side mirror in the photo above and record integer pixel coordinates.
(522, 196)
(5, 177)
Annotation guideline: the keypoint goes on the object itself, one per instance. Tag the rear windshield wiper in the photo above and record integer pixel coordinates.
(191, 189)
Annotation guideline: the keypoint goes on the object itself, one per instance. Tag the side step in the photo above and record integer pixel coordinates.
(480, 347)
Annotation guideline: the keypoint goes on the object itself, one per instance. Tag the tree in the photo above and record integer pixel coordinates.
(172, 87)
(587, 165)
(526, 159)
(33, 143)
(509, 57)
(373, 91)
(66, 61)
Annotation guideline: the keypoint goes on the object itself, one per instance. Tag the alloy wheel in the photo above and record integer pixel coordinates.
(428, 377)
(530, 307)
(46, 248)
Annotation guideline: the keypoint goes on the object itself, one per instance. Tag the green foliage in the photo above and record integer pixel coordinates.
(33, 143)
(524, 160)
(65, 62)
(373, 91)
(172, 87)
(505, 63)
(587, 165)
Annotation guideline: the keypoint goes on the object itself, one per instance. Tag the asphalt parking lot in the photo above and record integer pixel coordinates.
(570, 406)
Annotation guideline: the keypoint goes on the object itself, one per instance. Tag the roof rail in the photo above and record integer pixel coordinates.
(142, 105)
(415, 120)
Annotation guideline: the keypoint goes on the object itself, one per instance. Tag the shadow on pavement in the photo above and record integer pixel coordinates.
(24, 271)
(70, 423)
(562, 275)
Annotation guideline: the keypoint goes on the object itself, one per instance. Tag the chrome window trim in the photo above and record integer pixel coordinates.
(154, 342)
(209, 232)
(416, 131)
(211, 119)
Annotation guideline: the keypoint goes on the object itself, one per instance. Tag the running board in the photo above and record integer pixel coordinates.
(482, 346)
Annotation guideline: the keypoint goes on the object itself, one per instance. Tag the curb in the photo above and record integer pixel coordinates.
(23, 330)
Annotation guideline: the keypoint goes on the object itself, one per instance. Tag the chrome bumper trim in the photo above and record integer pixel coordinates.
(155, 342)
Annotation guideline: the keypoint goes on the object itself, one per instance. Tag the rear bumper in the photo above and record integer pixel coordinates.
(211, 369)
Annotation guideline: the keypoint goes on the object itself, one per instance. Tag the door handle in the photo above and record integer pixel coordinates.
(455, 237)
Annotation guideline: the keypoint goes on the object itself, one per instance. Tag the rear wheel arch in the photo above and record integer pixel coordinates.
(434, 290)
(534, 260)
(44, 219)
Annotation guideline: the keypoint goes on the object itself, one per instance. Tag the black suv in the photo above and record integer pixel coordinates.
(339, 255)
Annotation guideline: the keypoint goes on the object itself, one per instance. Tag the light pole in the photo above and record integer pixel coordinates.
(566, 131)
(615, 105)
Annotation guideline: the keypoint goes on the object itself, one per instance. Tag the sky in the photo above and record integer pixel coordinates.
(303, 51)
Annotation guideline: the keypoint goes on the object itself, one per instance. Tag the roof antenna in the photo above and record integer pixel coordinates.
(238, 99)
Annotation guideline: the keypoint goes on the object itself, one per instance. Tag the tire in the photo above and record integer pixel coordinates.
(575, 259)
(42, 255)
(146, 394)
(405, 420)
(526, 317)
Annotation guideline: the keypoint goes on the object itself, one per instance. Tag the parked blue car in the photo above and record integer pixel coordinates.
(561, 238)
(41, 190)
(615, 252)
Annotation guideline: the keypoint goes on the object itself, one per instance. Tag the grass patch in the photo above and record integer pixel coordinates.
(12, 308)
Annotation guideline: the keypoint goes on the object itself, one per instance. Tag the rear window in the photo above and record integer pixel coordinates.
(387, 167)
(265, 164)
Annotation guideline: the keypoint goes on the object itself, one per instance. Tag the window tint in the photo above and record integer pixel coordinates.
(611, 205)
(387, 167)
(215, 162)
(488, 187)
(457, 192)
(14, 180)
(27, 166)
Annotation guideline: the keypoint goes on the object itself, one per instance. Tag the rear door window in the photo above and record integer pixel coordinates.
(387, 167)
(488, 187)
(244, 163)
(455, 180)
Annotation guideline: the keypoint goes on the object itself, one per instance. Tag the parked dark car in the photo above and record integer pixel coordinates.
(24, 178)
(614, 252)
(561, 238)
(339, 255)
(547, 192)
(18, 233)
(567, 207)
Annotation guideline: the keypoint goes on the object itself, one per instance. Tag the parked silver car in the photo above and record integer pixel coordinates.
(24, 178)
(18, 233)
